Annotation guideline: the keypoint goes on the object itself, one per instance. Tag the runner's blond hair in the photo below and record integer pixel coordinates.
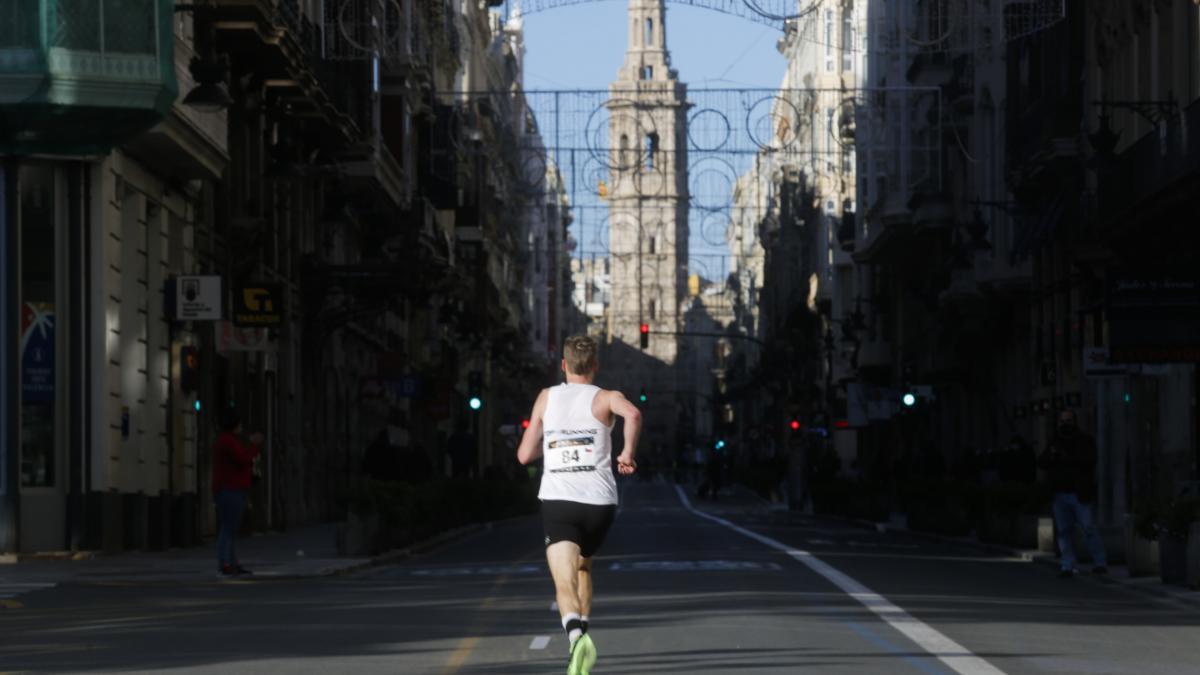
(579, 351)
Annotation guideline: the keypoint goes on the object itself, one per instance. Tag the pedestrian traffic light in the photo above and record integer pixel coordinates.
(525, 423)
(474, 385)
(642, 395)
(795, 425)
(720, 444)
(189, 369)
(645, 335)
(909, 399)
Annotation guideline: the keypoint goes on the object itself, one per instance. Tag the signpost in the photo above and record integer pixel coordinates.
(258, 305)
(198, 298)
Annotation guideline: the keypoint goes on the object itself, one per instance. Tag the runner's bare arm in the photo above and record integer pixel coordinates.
(633, 428)
(531, 442)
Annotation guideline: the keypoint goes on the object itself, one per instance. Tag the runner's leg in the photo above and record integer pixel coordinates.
(585, 589)
(564, 560)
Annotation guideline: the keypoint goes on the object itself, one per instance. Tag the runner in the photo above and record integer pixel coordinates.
(571, 425)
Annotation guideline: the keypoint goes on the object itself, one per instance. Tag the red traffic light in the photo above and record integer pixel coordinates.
(795, 425)
(645, 328)
(524, 424)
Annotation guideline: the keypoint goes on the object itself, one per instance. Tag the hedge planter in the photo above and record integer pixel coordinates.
(1193, 556)
(1141, 554)
(1173, 559)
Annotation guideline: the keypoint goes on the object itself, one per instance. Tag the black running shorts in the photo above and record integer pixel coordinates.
(584, 524)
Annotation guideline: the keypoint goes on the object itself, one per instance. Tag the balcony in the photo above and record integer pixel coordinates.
(80, 76)
(1152, 166)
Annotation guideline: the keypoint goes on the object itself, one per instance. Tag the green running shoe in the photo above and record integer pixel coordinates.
(583, 656)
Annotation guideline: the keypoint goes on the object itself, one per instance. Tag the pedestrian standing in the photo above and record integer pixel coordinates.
(1070, 465)
(233, 462)
(571, 426)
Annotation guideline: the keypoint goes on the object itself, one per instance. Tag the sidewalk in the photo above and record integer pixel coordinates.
(739, 500)
(299, 553)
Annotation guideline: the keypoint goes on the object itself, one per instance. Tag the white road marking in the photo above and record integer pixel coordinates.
(11, 589)
(695, 566)
(957, 657)
(539, 642)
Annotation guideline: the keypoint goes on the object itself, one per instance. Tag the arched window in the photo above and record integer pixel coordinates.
(648, 39)
(653, 245)
(623, 152)
(647, 72)
(651, 150)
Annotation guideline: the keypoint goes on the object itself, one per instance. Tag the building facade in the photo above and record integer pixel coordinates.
(329, 189)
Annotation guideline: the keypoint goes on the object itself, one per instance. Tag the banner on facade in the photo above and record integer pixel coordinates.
(258, 305)
(231, 338)
(1154, 319)
(198, 298)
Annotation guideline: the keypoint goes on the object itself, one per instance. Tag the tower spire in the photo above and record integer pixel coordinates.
(647, 57)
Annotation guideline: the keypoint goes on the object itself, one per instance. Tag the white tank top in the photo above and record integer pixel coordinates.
(577, 448)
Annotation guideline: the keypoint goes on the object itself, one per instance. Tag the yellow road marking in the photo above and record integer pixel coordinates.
(465, 646)
(459, 657)
(10, 604)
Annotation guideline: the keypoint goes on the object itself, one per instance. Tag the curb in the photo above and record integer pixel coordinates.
(421, 547)
(1150, 587)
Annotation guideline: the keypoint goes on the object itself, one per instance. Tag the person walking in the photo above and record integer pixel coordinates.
(233, 461)
(1070, 465)
(571, 426)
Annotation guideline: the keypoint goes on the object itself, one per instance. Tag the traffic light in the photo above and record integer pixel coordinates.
(642, 395)
(189, 369)
(525, 423)
(909, 399)
(474, 385)
(720, 444)
(645, 335)
(794, 425)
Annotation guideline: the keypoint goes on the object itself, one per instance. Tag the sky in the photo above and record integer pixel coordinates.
(582, 46)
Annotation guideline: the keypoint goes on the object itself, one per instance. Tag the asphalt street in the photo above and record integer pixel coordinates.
(743, 589)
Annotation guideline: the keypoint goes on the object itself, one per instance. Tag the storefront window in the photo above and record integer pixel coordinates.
(38, 377)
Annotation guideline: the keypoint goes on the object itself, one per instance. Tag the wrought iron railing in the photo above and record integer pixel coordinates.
(1153, 163)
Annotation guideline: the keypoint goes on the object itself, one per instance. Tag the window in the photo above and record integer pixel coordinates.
(648, 38)
(647, 72)
(848, 39)
(653, 310)
(651, 150)
(653, 245)
(623, 153)
(829, 131)
(829, 40)
(38, 200)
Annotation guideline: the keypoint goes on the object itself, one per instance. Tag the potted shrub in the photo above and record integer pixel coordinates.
(1170, 526)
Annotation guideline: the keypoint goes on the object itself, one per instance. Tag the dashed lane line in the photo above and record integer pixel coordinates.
(955, 656)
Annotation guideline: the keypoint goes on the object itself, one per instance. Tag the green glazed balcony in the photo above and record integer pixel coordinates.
(80, 76)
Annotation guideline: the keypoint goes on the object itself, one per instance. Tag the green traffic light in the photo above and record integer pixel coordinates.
(910, 400)
(476, 403)
(642, 398)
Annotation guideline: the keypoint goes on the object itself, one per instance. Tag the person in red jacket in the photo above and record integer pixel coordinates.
(232, 464)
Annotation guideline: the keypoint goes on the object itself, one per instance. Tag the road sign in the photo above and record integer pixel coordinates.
(231, 338)
(198, 298)
(1096, 363)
